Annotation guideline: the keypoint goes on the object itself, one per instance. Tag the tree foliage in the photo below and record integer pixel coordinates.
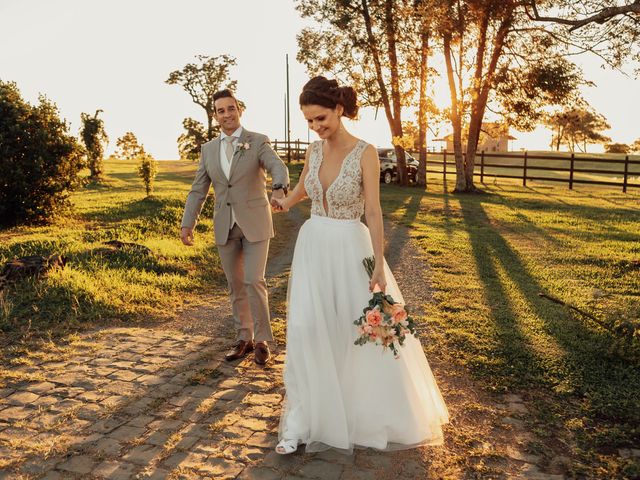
(128, 147)
(95, 139)
(201, 80)
(39, 160)
(609, 29)
(191, 140)
(577, 127)
(617, 148)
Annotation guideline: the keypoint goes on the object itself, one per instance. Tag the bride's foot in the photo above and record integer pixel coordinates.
(286, 447)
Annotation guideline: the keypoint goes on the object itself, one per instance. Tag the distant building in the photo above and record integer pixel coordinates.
(494, 137)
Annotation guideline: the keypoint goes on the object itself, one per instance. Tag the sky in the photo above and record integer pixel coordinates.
(116, 55)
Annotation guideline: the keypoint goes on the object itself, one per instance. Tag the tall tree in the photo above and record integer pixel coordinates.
(201, 80)
(95, 139)
(497, 58)
(360, 42)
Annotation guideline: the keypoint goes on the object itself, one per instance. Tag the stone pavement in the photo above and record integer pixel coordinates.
(144, 403)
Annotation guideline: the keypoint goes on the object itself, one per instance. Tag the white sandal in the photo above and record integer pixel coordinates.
(285, 447)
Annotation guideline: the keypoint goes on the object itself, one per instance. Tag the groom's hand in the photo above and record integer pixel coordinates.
(277, 195)
(186, 235)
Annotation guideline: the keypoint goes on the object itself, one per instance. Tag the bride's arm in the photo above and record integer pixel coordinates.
(373, 213)
(298, 193)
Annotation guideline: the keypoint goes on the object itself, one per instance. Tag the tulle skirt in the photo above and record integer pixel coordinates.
(339, 395)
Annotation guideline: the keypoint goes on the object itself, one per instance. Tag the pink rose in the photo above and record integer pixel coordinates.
(374, 317)
(368, 329)
(398, 313)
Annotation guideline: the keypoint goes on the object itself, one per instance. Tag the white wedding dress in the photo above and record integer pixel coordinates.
(339, 395)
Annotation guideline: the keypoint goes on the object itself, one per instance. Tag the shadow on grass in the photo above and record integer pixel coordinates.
(573, 359)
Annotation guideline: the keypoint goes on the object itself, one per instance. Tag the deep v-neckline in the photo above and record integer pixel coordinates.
(324, 192)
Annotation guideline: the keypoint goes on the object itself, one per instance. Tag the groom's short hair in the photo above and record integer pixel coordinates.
(226, 93)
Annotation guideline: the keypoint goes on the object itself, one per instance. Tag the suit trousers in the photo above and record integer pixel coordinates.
(244, 265)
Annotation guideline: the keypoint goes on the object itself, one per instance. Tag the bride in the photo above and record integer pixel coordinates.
(339, 395)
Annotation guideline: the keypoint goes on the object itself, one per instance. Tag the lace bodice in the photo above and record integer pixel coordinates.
(345, 198)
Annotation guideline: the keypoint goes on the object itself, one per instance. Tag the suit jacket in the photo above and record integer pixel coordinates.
(245, 189)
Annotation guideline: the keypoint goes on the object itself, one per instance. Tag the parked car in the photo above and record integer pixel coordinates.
(389, 165)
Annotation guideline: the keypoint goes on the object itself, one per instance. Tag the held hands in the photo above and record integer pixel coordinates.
(279, 202)
(186, 235)
(378, 281)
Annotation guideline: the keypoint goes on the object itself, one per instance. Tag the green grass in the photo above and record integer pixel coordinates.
(490, 256)
(110, 289)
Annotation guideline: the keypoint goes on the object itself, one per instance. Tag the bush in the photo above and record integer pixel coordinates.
(147, 171)
(616, 148)
(39, 160)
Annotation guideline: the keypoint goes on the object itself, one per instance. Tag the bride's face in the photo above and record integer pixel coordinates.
(322, 120)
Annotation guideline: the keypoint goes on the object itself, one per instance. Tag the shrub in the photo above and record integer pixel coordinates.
(147, 170)
(39, 160)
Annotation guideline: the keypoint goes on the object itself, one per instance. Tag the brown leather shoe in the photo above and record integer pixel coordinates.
(262, 354)
(240, 349)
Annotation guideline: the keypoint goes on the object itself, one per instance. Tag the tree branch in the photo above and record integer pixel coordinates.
(601, 17)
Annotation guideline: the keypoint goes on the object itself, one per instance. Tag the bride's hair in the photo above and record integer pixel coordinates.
(327, 93)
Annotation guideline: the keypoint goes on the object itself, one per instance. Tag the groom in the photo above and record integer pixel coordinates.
(236, 163)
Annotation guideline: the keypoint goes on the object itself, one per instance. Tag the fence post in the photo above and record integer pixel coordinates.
(524, 169)
(444, 166)
(298, 149)
(573, 156)
(626, 174)
(482, 166)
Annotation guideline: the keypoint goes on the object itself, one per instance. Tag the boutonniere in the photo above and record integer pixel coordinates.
(243, 146)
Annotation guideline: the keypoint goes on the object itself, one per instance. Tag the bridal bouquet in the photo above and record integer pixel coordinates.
(384, 321)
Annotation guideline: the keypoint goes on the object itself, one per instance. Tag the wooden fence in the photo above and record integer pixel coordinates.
(293, 150)
(566, 168)
(563, 168)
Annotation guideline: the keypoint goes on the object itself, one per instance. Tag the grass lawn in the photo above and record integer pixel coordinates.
(490, 256)
(121, 287)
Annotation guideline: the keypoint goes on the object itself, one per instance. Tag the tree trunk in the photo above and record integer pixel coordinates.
(421, 177)
(393, 118)
(395, 90)
(456, 121)
(480, 91)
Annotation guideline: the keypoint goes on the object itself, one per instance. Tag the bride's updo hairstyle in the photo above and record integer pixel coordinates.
(326, 93)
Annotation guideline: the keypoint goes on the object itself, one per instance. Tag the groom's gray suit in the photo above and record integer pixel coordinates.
(243, 246)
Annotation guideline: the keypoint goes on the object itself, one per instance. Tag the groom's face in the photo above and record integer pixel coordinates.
(227, 114)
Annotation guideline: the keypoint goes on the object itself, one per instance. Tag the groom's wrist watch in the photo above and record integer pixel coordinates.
(280, 186)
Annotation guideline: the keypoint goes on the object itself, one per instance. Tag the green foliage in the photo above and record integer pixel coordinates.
(525, 91)
(39, 159)
(617, 148)
(191, 140)
(128, 147)
(94, 137)
(147, 170)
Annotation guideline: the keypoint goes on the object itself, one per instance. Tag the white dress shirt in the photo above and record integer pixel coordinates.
(225, 162)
